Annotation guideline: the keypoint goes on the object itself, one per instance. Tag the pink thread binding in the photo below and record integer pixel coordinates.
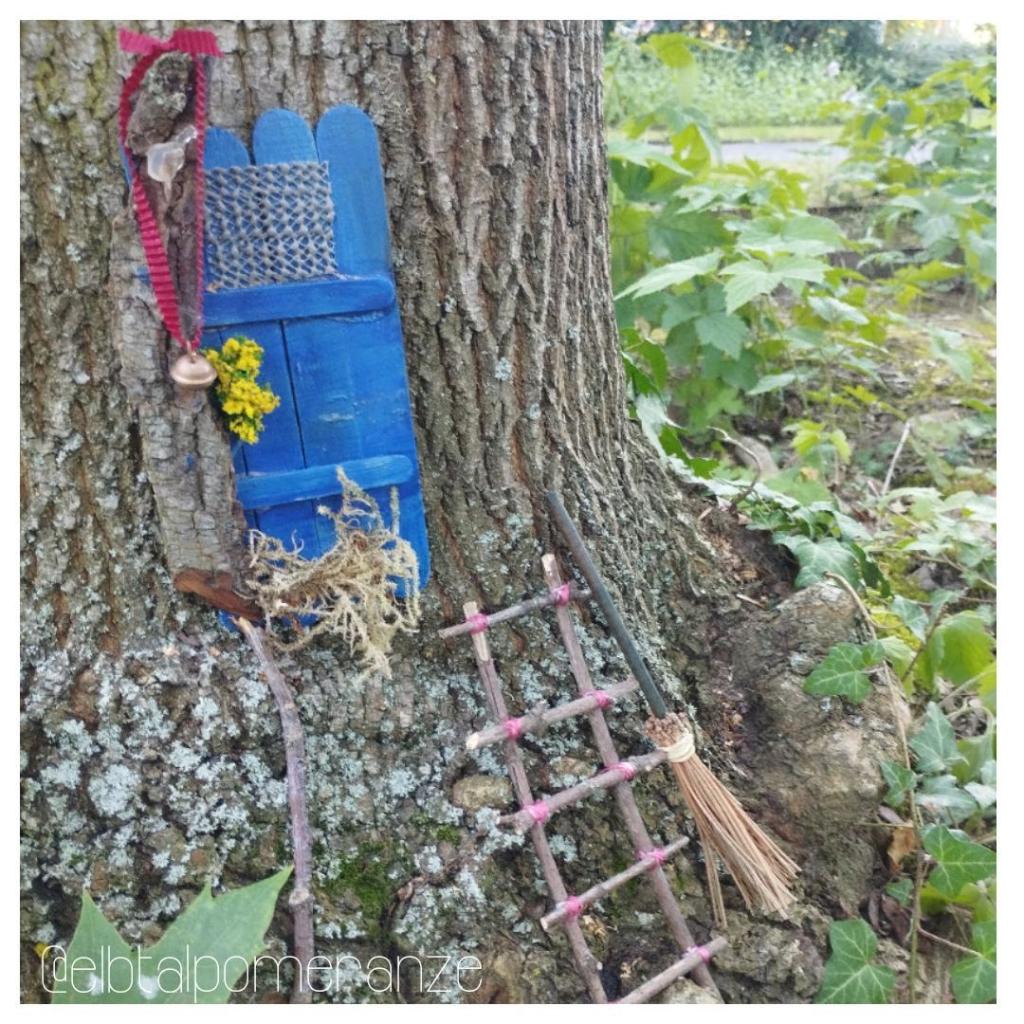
(702, 951)
(604, 700)
(655, 857)
(513, 728)
(540, 812)
(478, 623)
(560, 595)
(628, 770)
(573, 906)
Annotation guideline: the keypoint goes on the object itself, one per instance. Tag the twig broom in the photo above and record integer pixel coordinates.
(761, 871)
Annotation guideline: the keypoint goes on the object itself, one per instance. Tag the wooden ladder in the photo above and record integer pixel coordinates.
(617, 775)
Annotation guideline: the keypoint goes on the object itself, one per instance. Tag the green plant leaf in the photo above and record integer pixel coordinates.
(722, 331)
(935, 744)
(95, 945)
(977, 752)
(819, 557)
(899, 778)
(898, 653)
(651, 411)
(747, 280)
(958, 861)
(901, 891)
(942, 798)
(966, 647)
(672, 274)
(834, 311)
(850, 976)
(842, 673)
(671, 48)
(983, 938)
(912, 615)
(798, 235)
(772, 382)
(984, 795)
(973, 980)
(199, 958)
(800, 268)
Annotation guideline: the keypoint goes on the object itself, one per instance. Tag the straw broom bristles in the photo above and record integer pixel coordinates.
(761, 871)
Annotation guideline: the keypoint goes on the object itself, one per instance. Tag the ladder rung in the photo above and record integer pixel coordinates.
(515, 611)
(538, 721)
(523, 820)
(609, 885)
(651, 988)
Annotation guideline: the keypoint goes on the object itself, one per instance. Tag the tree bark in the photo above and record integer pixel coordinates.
(151, 754)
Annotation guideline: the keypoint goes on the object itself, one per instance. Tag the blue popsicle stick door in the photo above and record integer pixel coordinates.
(331, 333)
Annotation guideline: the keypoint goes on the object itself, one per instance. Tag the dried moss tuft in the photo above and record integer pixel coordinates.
(351, 591)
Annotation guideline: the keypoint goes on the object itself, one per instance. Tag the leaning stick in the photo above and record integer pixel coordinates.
(301, 899)
(539, 719)
(607, 606)
(576, 593)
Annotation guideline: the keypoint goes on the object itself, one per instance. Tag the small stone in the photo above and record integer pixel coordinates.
(475, 792)
(566, 771)
(686, 991)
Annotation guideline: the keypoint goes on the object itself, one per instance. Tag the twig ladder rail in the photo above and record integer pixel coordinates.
(617, 775)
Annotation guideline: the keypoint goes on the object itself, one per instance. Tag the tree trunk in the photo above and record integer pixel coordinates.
(152, 756)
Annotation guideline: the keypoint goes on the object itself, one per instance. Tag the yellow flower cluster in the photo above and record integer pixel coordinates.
(243, 401)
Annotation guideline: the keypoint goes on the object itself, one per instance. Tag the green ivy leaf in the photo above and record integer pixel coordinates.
(935, 744)
(973, 980)
(942, 798)
(850, 976)
(958, 861)
(966, 648)
(899, 778)
(977, 752)
(199, 958)
(983, 794)
(898, 653)
(901, 891)
(842, 673)
(819, 557)
(983, 938)
(912, 615)
(723, 331)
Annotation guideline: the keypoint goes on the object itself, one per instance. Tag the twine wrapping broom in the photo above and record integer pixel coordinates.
(761, 871)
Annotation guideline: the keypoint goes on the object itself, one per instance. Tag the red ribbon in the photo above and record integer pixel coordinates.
(197, 43)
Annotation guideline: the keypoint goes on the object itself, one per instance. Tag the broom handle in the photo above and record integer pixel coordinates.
(604, 601)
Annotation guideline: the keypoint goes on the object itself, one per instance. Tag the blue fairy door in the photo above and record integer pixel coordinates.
(298, 258)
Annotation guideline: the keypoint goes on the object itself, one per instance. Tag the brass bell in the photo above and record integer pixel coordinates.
(193, 372)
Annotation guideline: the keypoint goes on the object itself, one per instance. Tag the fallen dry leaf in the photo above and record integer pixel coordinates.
(903, 842)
